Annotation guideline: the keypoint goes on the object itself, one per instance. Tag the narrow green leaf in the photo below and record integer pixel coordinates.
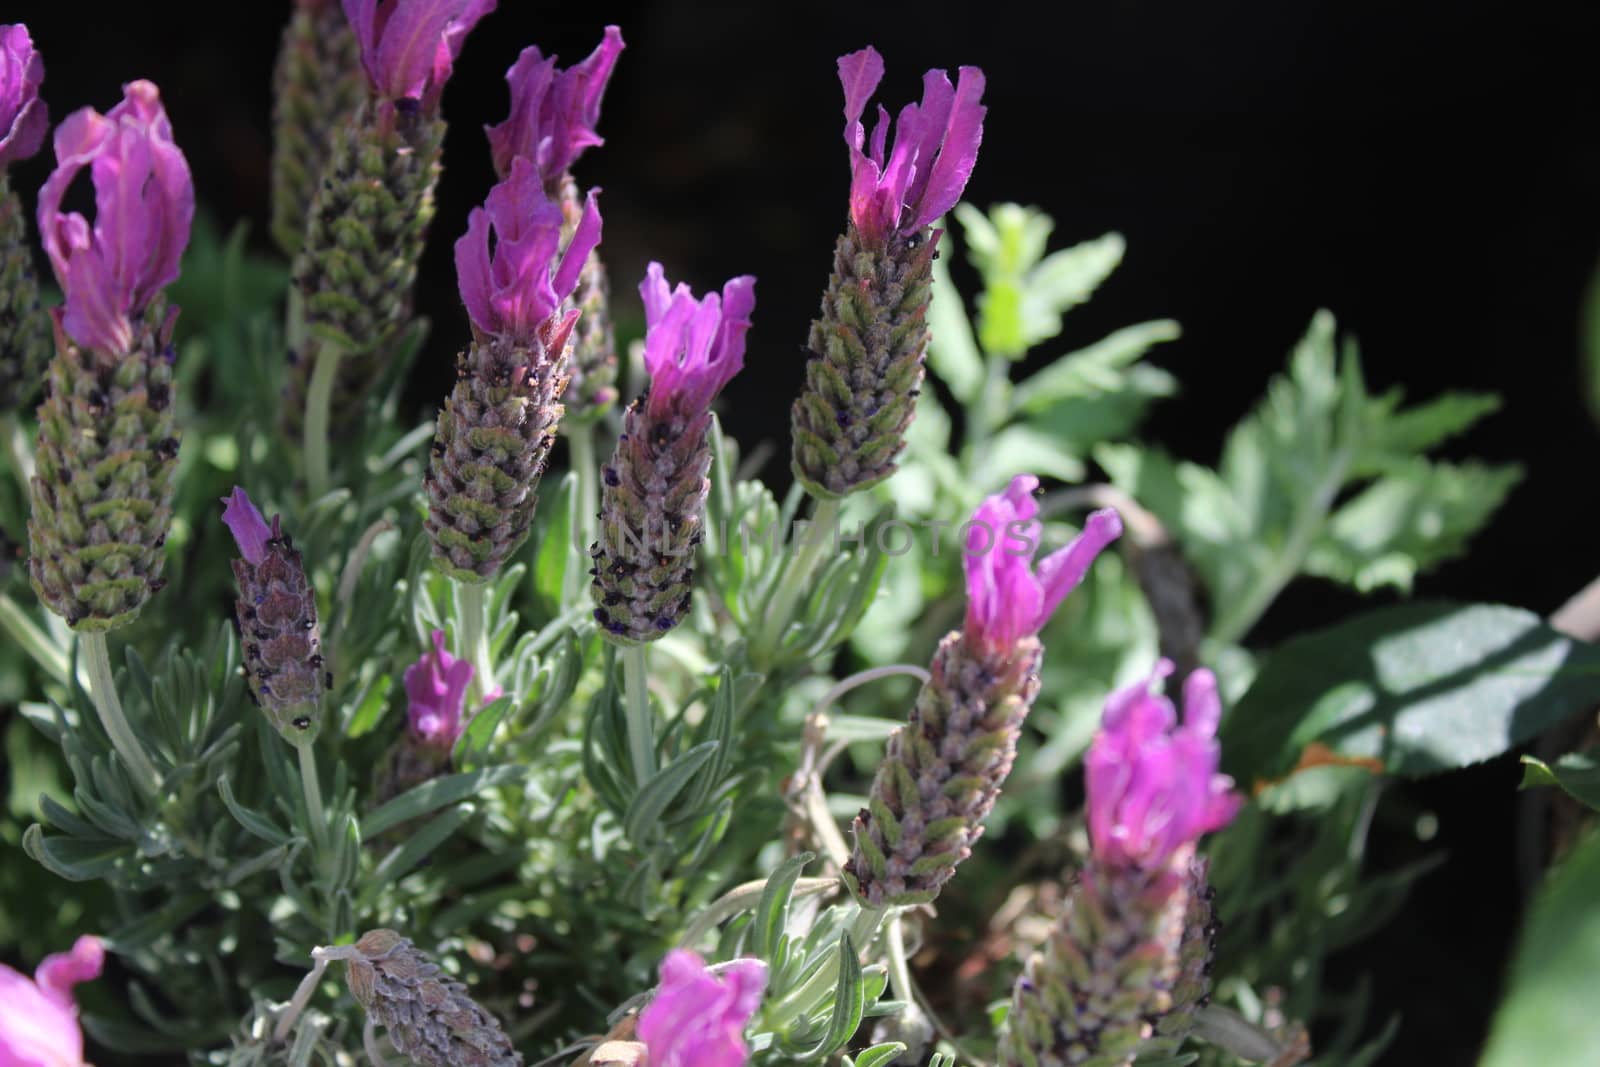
(952, 352)
(435, 794)
(1548, 1016)
(476, 739)
(1410, 690)
(878, 1055)
(772, 914)
(656, 795)
(418, 847)
(250, 819)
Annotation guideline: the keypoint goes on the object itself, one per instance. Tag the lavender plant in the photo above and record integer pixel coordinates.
(409, 757)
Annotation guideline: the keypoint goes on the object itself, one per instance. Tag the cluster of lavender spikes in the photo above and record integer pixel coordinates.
(356, 162)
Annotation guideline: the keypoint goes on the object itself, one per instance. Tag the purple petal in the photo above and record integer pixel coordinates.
(62, 970)
(859, 73)
(506, 259)
(38, 1020)
(1153, 787)
(554, 112)
(436, 692)
(144, 208)
(1062, 570)
(947, 177)
(585, 239)
(409, 46)
(692, 348)
(472, 269)
(23, 117)
(245, 522)
(696, 1018)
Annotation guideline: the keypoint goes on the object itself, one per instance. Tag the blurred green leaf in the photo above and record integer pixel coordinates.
(1548, 1016)
(1409, 690)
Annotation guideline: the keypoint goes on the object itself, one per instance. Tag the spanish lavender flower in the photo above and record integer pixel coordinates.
(494, 435)
(652, 503)
(1128, 965)
(367, 225)
(866, 349)
(697, 1018)
(108, 438)
(944, 769)
(553, 117)
(436, 713)
(436, 695)
(277, 615)
(317, 85)
(24, 329)
(553, 112)
(38, 1018)
(428, 1015)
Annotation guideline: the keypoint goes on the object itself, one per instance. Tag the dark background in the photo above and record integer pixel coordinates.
(1426, 170)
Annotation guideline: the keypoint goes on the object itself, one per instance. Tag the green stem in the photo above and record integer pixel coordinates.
(899, 967)
(34, 641)
(796, 580)
(1236, 620)
(472, 615)
(580, 441)
(309, 782)
(103, 692)
(641, 727)
(18, 453)
(319, 401)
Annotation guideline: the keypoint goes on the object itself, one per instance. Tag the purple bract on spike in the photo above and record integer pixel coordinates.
(38, 1018)
(514, 281)
(23, 121)
(553, 112)
(697, 1018)
(1008, 598)
(144, 205)
(1153, 785)
(409, 46)
(935, 147)
(692, 348)
(245, 522)
(436, 694)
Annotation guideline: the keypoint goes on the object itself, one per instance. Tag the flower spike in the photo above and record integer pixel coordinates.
(108, 435)
(494, 436)
(24, 327)
(653, 497)
(943, 770)
(866, 348)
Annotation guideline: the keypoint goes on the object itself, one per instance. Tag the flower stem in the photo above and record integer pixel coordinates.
(34, 641)
(472, 615)
(319, 400)
(796, 579)
(313, 791)
(641, 728)
(103, 692)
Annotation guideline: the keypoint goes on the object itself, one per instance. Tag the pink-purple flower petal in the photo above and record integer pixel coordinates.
(554, 112)
(408, 47)
(692, 348)
(38, 1018)
(23, 119)
(935, 148)
(697, 1017)
(244, 520)
(509, 265)
(1008, 596)
(1153, 785)
(144, 207)
(436, 693)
